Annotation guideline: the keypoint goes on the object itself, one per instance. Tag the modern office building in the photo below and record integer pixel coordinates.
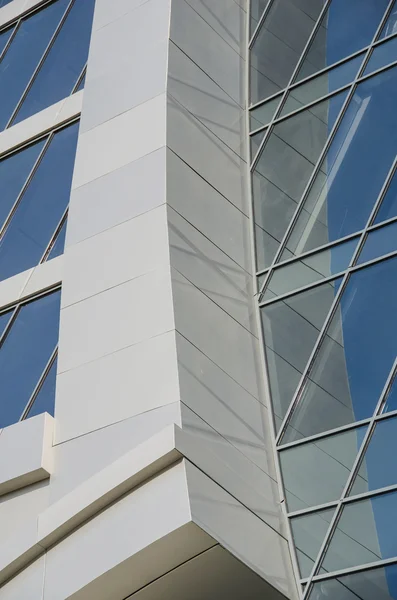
(198, 299)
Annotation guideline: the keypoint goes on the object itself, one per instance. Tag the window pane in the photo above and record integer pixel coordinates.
(24, 54)
(366, 532)
(346, 27)
(41, 206)
(379, 467)
(263, 114)
(59, 244)
(25, 353)
(279, 45)
(45, 399)
(390, 27)
(356, 356)
(381, 56)
(388, 208)
(64, 63)
(14, 171)
(284, 168)
(322, 85)
(4, 37)
(316, 472)
(290, 329)
(379, 242)
(354, 168)
(311, 269)
(309, 532)
(374, 584)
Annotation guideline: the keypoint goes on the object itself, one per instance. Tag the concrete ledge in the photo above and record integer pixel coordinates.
(28, 448)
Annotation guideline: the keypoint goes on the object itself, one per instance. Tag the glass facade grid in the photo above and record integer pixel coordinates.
(43, 60)
(366, 252)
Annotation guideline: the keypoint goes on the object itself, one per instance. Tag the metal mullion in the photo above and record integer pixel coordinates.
(286, 89)
(313, 284)
(321, 336)
(7, 221)
(384, 416)
(352, 475)
(312, 509)
(39, 384)
(328, 143)
(9, 324)
(304, 288)
(257, 317)
(351, 570)
(80, 79)
(382, 224)
(252, 107)
(384, 20)
(371, 494)
(317, 437)
(40, 63)
(251, 40)
(382, 194)
(54, 237)
(302, 257)
(54, 287)
(12, 36)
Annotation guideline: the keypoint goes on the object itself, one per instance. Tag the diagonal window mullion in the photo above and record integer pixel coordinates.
(40, 63)
(5, 225)
(55, 235)
(40, 383)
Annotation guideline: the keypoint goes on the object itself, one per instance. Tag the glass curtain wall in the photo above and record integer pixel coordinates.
(42, 58)
(323, 92)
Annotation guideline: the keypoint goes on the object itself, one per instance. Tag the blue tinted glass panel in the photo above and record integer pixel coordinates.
(14, 171)
(4, 320)
(4, 37)
(263, 114)
(45, 399)
(373, 584)
(390, 27)
(255, 142)
(25, 353)
(382, 55)
(366, 532)
(59, 244)
(4, 2)
(354, 169)
(379, 467)
(388, 208)
(355, 357)
(346, 28)
(64, 63)
(322, 85)
(24, 54)
(42, 206)
(379, 242)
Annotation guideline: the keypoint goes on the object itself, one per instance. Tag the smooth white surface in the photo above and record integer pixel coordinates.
(121, 140)
(133, 191)
(80, 458)
(115, 319)
(115, 256)
(127, 378)
(28, 448)
(28, 585)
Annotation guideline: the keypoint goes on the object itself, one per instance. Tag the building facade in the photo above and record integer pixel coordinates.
(197, 299)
